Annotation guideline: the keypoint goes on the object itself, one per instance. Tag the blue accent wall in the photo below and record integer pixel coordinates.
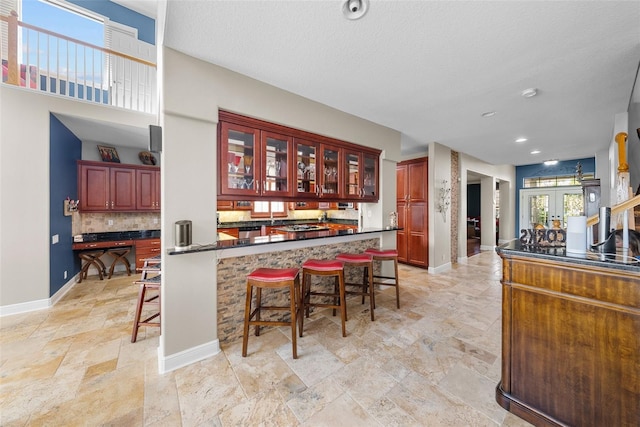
(145, 25)
(65, 149)
(563, 168)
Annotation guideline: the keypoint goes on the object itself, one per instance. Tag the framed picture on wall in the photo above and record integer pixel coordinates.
(108, 154)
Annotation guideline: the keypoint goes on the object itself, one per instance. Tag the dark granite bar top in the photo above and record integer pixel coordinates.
(118, 235)
(558, 253)
(285, 222)
(225, 242)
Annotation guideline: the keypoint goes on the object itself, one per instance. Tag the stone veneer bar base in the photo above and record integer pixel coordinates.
(232, 285)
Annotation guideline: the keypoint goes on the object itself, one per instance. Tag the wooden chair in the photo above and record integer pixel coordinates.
(91, 258)
(318, 267)
(366, 286)
(272, 278)
(146, 285)
(120, 255)
(382, 255)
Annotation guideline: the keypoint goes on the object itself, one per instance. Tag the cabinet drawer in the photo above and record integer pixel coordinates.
(146, 248)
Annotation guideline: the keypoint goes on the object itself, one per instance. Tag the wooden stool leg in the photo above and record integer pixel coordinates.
(258, 309)
(343, 303)
(370, 289)
(136, 319)
(247, 314)
(395, 266)
(293, 304)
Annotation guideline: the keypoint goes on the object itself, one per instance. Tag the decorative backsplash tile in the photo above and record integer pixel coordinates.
(116, 221)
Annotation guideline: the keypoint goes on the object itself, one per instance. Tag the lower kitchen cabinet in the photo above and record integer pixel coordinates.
(146, 248)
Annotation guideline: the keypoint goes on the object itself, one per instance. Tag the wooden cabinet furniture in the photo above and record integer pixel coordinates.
(254, 162)
(260, 160)
(146, 248)
(570, 339)
(360, 176)
(147, 190)
(234, 231)
(413, 212)
(116, 187)
(106, 188)
(238, 205)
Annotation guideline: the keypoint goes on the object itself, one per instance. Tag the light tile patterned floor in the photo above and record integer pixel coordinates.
(433, 362)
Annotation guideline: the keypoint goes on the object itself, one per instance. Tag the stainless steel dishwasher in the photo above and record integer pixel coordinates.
(249, 231)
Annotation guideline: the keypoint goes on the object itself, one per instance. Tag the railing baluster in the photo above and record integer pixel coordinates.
(120, 84)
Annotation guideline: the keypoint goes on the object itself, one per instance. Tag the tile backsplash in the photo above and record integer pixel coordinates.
(116, 221)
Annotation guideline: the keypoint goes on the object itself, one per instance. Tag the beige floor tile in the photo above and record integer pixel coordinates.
(433, 362)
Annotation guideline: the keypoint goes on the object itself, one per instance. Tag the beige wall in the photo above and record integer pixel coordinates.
(24, 186)
(193, 91)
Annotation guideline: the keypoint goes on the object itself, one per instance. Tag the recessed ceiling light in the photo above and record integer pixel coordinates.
(488, 114)
(521, 140)
(535, 152)
(529, 93)
(551, 162)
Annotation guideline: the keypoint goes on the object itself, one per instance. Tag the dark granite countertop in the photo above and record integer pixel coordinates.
(559, 254)
(224, 242)
(284, 222)
(119, 235)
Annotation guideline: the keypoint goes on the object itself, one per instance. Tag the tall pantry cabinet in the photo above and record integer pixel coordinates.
(412, 196)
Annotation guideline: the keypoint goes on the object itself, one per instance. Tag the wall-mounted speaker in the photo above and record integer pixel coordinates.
(155, 138)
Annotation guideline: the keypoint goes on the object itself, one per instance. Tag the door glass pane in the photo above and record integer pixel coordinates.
(572, 205)
(276, 165)
(538, 210)
(306, 168)
(239, 159)
(353, 186)
(330, 167)
(369, 181)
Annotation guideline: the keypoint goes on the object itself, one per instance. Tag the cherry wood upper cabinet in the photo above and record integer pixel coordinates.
(126, 188)
(259, 160)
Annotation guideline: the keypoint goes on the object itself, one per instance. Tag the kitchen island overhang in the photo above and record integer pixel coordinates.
(229, 247)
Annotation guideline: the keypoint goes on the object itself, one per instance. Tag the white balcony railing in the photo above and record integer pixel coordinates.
(62, 65)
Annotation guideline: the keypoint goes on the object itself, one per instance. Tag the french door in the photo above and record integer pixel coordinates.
(544, 205)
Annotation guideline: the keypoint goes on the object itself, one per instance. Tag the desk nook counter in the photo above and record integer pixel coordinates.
(570, 338)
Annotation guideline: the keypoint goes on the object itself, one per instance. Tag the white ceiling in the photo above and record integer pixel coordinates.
(429, 69)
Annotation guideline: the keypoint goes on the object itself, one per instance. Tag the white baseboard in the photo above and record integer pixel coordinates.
(487, 247)
(42, 304)
(186, 357)
(440, 269)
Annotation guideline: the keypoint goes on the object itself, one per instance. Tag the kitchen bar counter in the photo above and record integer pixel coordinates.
(570, 337)
(223, 242)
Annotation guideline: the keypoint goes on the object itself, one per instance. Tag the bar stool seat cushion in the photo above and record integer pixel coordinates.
(382, 252)
(323, 264)
(273, 274)
(357, 258)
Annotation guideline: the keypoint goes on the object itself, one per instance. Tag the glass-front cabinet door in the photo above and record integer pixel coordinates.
(353, 175)
(370, 176)
(277, 161)
(330, 172)
(306, 155)
(239, 154)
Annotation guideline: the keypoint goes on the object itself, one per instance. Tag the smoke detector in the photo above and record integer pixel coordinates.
(529, 93)
(355, 9)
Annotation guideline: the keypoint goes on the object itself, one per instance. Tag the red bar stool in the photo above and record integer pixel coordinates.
(366, 287)
(120, 255)
(272, 278)
(151, 284)
(386, 255)
(91, 258)
(321, 267)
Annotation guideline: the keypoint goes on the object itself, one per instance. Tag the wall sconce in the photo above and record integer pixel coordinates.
(70, 206)
(444, 199)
